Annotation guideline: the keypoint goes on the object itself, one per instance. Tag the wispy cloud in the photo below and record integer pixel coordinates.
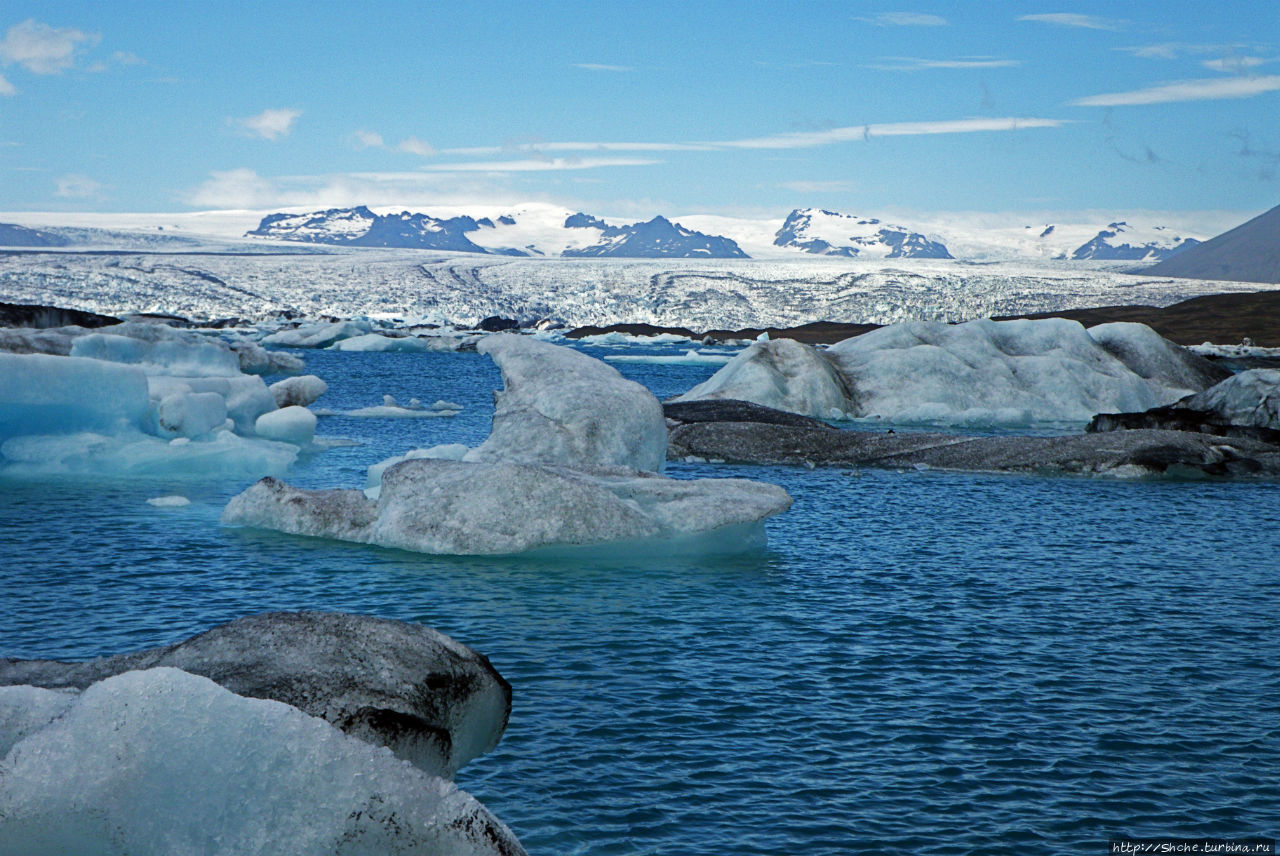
(42, 49)
(77, 187)
(415, 146)
(599, 66)
(809, 139)
(1186, 90)
(1235, 64)
(905, 19)
(1177, 50)
(246, 189)
(6, 88)
(1073, 19)
(119, 58)
(269, 124)
(538, 164)
(817, 186)
(907, 63)
(539, 148)
(367, 140)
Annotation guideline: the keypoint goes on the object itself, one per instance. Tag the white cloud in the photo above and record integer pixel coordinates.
(809, 139)
(1235, 64)
(6, 88)
(1186, 90)
(269, 124)
(414, 146)
(597, 66)
(245, 189)
(42, 49)
(906, 19)
(907, 63)
(1072, 19)
(368, 140)
(74, 186)
(541, 148)
(817, 186)
(538, 164)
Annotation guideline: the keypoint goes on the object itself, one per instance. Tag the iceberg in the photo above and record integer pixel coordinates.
(403, 344)
(561, 406)
(430, 699)
(142, 399)
(292, 424)
(572, 460)
(161, 761)
(783, 374)
(434, 505)
(318, 335)
(980, 373)
(302, 390)
(1249, 398)
(391, 409)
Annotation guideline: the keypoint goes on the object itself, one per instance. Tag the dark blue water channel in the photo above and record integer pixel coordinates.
(920, 662)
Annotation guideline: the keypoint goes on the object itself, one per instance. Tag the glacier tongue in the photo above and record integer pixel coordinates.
(162, 762)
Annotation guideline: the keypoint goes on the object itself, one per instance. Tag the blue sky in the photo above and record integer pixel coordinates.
(633, 109)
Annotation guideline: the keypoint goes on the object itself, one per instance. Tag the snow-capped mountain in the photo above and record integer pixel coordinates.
(12, 235)
(828, 233)
(360, 227)
(1122, 242)
(575, 235)
(655, 239)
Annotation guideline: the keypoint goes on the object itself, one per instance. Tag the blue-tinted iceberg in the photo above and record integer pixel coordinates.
(162, 762)
(572, 460)
(142, 399)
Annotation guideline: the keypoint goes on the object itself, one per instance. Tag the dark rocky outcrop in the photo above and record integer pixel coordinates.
(431, 700)
(657, 238)
(43, 317)
(1138, 452)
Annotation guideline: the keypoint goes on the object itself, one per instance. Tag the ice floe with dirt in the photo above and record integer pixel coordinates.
(205, 770)
(573, 459)
(980, 373)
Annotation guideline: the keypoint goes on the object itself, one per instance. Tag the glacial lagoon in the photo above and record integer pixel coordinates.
(919, 661)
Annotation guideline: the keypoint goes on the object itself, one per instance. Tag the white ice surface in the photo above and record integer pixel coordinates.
(691, 357)
(164, 762)
(171, 501)
(406, 344)
(166, 355)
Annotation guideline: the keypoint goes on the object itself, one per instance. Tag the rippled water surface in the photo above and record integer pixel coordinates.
(920, 662)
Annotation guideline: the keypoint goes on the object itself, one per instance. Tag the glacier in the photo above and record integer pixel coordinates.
(573, 459)
(160, 761)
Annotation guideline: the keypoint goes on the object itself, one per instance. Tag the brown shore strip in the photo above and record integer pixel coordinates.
(1224, 319)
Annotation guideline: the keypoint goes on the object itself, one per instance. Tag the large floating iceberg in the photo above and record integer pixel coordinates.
(141, 399)
(162, 762)
(981, 373)
(573, 459)
(430, 699)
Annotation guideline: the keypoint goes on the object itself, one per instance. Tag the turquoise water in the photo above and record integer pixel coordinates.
(920, 662)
